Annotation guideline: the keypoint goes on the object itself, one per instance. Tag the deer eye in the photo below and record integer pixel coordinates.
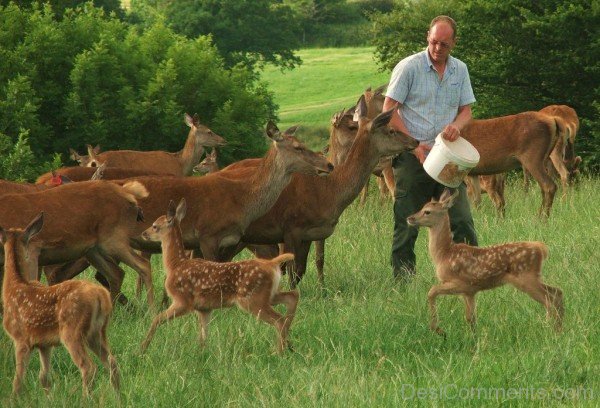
(426, 212)
(154, 228)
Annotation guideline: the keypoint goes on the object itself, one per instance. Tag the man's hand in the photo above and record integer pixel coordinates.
(451, 133)
(421, 152)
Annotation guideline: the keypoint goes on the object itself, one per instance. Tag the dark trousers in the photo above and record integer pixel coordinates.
(414, 188)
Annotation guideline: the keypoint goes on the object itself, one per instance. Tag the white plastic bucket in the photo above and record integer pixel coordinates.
(448, 162)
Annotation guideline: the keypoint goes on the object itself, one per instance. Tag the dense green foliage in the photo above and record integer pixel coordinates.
(91, 78)
(522, 55)
(59, 6)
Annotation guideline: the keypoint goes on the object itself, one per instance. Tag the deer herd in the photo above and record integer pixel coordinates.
(119, 207)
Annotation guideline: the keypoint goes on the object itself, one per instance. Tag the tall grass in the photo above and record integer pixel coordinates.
(364, 340)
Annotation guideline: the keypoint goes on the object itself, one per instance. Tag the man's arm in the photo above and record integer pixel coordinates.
(452, 131)
(397, 123)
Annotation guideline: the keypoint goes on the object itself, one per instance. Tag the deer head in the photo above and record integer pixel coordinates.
(93, 156)
(83, 161)
(208, 164)
(204, 136)
(27, 251)
(434, 211)
(164, 223)
(386, 140)
(295, 154)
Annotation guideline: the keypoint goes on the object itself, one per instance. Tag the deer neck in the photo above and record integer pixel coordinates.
(440, 240)
(191, 154)
(348, 178)
(266, 184)
(12, 264)
(173, 250)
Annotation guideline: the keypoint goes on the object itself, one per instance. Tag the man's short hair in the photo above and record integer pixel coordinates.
(445, 19)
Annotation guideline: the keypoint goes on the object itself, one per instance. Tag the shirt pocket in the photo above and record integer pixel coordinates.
(453, 95)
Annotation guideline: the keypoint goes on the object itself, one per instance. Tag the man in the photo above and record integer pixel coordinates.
(432, 93)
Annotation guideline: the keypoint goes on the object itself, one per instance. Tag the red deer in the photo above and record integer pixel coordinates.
(309, 208)
(91, 219)
(78, 173)
(14, 187)
(465, 270)
(209, 164)
(222, 205)
(507, 142)
(74, 313)
(203, 286)
(493, 185)
(178, 164)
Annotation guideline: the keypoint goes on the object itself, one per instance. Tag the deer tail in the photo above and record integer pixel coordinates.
(542, 248)
(136, 189)
(282, 258)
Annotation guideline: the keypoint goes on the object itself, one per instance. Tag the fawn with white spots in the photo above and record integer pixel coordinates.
(74, 313)
(465, 270)
(202, 286)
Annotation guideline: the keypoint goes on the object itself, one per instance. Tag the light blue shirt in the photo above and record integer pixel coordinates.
(428, 104)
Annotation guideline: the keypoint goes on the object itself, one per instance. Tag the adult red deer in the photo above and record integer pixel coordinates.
(493, 185)
(221, 206)
(180, 163)
(508, 142)
(78, 173)
(14, 187)
(309, 208)
(74, 313)
(91, 219)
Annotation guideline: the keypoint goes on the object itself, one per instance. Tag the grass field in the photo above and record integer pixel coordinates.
(364, 340)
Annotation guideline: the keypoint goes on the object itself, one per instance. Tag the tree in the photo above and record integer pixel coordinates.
(251, 32)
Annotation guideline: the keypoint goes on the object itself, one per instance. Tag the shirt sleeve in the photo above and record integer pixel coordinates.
(399, 82)
(467, 96)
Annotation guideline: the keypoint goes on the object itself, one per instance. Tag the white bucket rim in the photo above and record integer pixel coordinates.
(465, 161)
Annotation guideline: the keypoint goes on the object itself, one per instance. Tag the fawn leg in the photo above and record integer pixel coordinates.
(542, 294)
(290, 300)
(45, 353)
(99, 345)
(470, 310)
(75, 347)
(22, 354)
(203, 320)
(175, 310)
(446, 288)
(266, 313)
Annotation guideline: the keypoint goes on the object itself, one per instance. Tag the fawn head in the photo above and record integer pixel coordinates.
(386, 140)
(164, 223)
(92, 157)
(23, 244)
(434, 211)
(204, 136)
(296, 156)
(206, 165)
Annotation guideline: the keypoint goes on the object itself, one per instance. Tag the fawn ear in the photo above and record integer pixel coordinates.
(33, 228)
(74, 155)
(171, 212)
(448, 198)
(181, 210)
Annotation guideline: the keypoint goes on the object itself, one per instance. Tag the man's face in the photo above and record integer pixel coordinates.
(441, 41)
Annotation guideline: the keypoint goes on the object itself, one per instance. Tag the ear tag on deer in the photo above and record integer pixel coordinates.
(56, 180)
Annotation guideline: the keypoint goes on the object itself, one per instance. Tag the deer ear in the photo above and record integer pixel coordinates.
(73, 154)
(96, 149)
(448, 198)
(361, 109)
(171, 212)
(382, 119)
(181, 210)
(188, 120)
(291, 130)
(34, 227)
(273, 131)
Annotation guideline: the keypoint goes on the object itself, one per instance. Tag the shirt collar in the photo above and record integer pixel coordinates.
(450, 65)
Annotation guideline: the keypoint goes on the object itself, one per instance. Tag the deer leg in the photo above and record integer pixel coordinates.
(45, 353)
(175, 310)
(550, 297)
(203, 320)
(74, 345)
(474, 190)
(210, 250)
(470, 310)
(142, 266)
(364, 193)
(320, 261)
(446, 288)
(300, 252)
(496, 194)
(264, 311)
(557, 160)
(112, 273)
(22, 354)
(526, 177)
(139, 282)
(60, 273)
(290, 300)
(98, 343)
(388, 177)
(547, 186)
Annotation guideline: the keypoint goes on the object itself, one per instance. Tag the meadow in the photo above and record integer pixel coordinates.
(364, 339)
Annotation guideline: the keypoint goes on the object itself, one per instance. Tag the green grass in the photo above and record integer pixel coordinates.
(330, 79)
(365, 338)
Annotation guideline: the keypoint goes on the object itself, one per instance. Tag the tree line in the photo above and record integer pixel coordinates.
(73, 73)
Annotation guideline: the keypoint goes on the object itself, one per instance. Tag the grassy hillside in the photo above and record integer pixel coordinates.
(329, 80)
